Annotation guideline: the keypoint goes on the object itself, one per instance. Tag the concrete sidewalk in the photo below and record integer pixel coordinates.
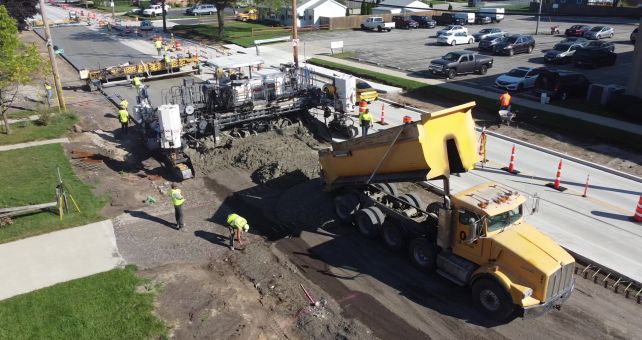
(30, 144)
(591, 118)
(42, 261)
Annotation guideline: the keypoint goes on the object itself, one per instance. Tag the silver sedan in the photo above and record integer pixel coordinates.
(599, 32)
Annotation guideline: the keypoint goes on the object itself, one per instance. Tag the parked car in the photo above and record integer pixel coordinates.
(561, 84)
(404, 22)
(518, 79)
(455, 63)
(562, 53)
(154, 10)
(599, 32)
(482, 20)
(455, 38)
(448, 19)
(424, 21)
(495, 14)
(489, 32)
(634, 35)
(146, 25)
(201, 10)
(574, 40)
(488, 44)
(594, 57)
(452, 29)
(514, 44)
(577, 30)
(467, 18)
(377, 23)
(600, 45)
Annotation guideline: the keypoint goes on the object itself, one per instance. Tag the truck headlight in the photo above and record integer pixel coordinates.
(527, 293)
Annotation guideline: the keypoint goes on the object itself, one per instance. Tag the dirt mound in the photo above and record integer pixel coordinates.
(269, 155)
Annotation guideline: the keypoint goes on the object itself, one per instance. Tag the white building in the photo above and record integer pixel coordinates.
(401, 6)
(308, 12)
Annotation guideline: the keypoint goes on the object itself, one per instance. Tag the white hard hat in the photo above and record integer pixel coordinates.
(246, 228)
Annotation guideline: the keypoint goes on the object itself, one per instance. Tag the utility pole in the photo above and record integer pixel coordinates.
(164, 16)
(52, 58)
(295, 36)
(113, 9)
(539, 15)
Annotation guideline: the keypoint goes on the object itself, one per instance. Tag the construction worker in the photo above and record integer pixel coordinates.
(137, 83)
(236, 224)
(504, 101)
(172, 42)
(158, 44)
(123, 117)
(177, 201)
(124, 104)
(49, 93)
(365, 119)
(168, 63)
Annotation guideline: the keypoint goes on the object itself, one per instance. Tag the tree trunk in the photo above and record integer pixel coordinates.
(5, 119)
(221, 27)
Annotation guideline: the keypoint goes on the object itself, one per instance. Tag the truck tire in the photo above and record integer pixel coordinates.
(393, 236)
(369, 221)
(412, 199)
(423, 254)
(433, 208)
(389, 29)
(453, 43)
(483, 69)
(363, 27)
(492, 299)
(379, 29)
(345, 206)
(388, 188)
(450, 74)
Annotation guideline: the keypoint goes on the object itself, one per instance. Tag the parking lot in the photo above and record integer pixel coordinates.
(412, 50)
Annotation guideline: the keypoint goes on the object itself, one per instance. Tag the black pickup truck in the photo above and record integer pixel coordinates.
(446, 19)
(462, 62)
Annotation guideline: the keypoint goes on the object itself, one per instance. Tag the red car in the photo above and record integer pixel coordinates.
(577, 30)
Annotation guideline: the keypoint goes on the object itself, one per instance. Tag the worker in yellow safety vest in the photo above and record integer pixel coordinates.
(504, 101)
(365, 119)
(168, 63)
(236, 224)
(137, 83)
(49, 93)
(177, 200)
(158, 44)
(123, 117)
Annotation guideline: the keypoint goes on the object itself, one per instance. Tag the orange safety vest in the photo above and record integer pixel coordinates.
(363, 105)
(504, 99)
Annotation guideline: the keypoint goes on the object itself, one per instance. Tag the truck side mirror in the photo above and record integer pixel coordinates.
(535, 204)
(473, 228)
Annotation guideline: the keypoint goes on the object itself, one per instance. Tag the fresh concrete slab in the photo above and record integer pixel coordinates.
(42, 261)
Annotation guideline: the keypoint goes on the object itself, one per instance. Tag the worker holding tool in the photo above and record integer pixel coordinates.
(177, 201)
(49, 93)
(158, 44)
(504, 101)
(168, 63)
(123, 117)
(365, 119)
(236, 224)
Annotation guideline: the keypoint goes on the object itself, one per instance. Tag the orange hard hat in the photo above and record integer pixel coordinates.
(407, 119)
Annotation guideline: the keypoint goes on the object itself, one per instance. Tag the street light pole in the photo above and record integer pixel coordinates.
(295, 36)
(539, 15)
(52, 58)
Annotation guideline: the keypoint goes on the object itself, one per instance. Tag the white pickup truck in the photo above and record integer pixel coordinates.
(154, 10)
(378, 24)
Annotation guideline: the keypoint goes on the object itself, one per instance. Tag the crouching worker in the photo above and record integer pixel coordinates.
(237, 225)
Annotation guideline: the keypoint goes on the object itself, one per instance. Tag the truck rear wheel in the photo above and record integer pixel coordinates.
(345, 206)
(423, 254)
(492, 299)
(379, 29)
(388, 188)
(393, 236)
(369, 221)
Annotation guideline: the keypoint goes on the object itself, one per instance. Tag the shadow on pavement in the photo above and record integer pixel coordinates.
(145, 216)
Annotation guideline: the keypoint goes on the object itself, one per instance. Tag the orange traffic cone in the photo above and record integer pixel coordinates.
(482, 147)
(382, 121)
(637, 216)
(556, 184)
(511, 165)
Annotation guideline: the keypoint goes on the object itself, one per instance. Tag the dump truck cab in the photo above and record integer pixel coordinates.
(513, 266)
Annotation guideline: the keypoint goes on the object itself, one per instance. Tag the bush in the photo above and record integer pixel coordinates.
(45, 118)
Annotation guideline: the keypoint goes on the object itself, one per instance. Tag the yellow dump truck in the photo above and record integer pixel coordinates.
(248, 15)
(477, 237)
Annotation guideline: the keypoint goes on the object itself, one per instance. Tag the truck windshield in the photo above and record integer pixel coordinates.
(451, 57)
(504, 219)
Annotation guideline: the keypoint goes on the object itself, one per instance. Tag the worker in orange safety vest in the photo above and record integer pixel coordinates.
(504, 101)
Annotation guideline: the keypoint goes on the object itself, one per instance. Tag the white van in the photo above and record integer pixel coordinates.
(468, 18)
(495, 14)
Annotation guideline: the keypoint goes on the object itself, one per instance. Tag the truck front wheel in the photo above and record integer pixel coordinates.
(345, 206)
(483, 69)
(492, 299)
(423, 254)
(450, 74)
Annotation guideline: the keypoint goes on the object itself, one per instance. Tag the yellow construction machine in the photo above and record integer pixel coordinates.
(476, 238)
(152, 69)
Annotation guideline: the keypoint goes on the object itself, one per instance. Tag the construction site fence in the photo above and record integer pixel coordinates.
(354, 21)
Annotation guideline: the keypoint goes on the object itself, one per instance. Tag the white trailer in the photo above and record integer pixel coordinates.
(496, 14)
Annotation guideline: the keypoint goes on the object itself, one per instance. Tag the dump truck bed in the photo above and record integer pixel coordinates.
(440, 144)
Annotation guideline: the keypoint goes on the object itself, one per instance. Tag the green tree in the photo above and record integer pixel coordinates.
(220, 7)
(20, 9)
(364, 8)
(347, 11)
(18, 63)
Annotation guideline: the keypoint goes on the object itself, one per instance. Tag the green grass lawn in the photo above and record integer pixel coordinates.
(236, 32)
(28, 131)
(28, 176)
(423, 91)
(101, 306)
